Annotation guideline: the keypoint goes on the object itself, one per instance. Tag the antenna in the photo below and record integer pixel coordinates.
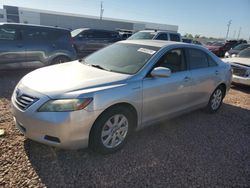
(101, 10)
(228, 27)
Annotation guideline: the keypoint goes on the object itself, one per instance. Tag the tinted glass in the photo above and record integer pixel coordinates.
(174, 37)
(162, 36)
(174, 60)
(121, 57)
(245, 53)
(142, 35)
(197, 59)
(36, 34)
(76, 32)
(7, 33)
(241, 47)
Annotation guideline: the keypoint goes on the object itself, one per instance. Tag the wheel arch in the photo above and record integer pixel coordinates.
(120, 104)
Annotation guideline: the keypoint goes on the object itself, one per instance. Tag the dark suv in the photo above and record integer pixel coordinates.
(23, 45)
(87, 41)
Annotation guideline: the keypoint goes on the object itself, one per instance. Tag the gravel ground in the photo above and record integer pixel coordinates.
(194, 150)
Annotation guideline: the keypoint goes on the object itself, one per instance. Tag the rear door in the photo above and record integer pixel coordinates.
(205, 75)
(12, 49)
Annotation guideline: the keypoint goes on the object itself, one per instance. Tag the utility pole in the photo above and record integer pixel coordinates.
(228, 27)
(101, 10)
(239, 34)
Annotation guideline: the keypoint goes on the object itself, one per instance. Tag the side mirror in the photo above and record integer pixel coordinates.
(161, 72)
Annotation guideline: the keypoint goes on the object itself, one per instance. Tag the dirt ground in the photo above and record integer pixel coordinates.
(194, 150)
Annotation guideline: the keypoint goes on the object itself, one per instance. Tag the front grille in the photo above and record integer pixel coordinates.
(24, 101)
(239, 71)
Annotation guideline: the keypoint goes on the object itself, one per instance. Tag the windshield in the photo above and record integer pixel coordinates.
(76, 32)
(241, 47)
(142, 35)
(245, 53)
(217, 44)
(121, 57)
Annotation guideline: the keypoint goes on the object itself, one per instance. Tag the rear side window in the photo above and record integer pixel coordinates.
(174, 37)
(35, 34)
(7, 33)
(162, 36)
(197, 59)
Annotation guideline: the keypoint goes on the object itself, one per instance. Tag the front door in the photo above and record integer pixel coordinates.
(163, 97)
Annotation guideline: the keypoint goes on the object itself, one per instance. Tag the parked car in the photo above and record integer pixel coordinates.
(191, 41)
(235, 50)
(24, 45)
(220, 50)
(116, 90)
(216, 48)
(87, 41)
(241, 67)
(156, 35)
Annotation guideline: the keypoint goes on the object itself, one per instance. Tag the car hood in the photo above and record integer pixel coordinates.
(69, 77)
(238, 60)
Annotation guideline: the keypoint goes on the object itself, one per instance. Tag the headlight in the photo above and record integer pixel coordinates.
(233, 55)
(65, 105)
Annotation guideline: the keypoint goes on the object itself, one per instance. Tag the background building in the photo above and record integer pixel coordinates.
(74, 21)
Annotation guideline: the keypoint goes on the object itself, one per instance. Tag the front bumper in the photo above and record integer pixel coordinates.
(241, 80)
(68, 130)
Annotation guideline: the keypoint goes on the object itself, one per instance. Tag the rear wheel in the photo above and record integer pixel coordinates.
(60, 59)
(111, 130)
(216, 100)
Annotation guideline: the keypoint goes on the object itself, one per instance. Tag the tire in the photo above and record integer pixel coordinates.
(216, 99)
(59, 60)
(107, 136)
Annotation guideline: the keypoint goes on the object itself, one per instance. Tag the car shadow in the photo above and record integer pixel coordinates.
(242, 88)
(155, 154)
(9, 80)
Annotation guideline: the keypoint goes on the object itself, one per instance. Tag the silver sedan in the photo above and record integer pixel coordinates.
(100, 100)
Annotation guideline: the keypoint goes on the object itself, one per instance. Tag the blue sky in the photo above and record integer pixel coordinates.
(204, 17)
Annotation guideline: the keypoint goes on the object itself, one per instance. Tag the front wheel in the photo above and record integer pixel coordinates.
(215, 100)
(59, 60)
(111, 130)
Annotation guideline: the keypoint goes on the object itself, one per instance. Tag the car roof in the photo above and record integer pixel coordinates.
(158, 31)
(157, 43)
(34, 25)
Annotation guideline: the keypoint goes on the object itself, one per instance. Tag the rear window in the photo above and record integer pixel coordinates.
(142, 35)
(174, 37)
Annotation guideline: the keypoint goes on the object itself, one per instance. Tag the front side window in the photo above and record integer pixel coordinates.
(162, 36)
(174, 37)
(7, 33)
(121, 57)
(174, 60)
(197, 59)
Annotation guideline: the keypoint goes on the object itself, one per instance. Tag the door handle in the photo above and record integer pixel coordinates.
(19, 45)
(216, 72)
